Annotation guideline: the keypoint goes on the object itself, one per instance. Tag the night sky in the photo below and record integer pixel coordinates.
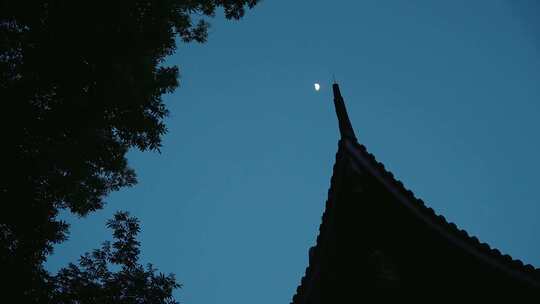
(445, 93)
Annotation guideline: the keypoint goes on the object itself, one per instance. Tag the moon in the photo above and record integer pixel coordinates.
(317, 86)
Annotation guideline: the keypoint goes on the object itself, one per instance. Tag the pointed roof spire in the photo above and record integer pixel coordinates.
(345, 127)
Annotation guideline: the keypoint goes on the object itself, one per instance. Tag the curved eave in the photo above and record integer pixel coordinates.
(448, 230)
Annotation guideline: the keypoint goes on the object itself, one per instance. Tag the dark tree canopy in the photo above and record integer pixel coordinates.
(81, 82)
(93, 281)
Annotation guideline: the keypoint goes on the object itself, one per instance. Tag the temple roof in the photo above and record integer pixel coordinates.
(447, 229)
(361, 160)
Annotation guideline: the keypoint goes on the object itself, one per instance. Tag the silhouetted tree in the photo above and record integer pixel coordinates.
(93, 281)
(80, 84)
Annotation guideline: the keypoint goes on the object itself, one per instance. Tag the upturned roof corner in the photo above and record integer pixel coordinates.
(345, 127)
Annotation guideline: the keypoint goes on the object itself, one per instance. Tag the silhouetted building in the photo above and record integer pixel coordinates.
(378, 241)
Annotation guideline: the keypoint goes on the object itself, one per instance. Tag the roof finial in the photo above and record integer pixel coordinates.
(345, 127)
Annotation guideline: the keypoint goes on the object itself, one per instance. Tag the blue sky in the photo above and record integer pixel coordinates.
(445, 93)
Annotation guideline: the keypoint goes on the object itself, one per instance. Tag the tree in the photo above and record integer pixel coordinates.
(92, 281)
(81, 82)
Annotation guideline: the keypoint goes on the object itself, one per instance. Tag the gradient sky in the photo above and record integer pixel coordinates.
(445, 93)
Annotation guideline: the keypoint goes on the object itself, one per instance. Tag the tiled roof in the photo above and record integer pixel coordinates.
(447, 229)
(359, 154)
(361, 158)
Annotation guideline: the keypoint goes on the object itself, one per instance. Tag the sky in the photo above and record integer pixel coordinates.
(445, 93)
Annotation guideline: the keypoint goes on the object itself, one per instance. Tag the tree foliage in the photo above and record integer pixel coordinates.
(93, 281)
(81, 82)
